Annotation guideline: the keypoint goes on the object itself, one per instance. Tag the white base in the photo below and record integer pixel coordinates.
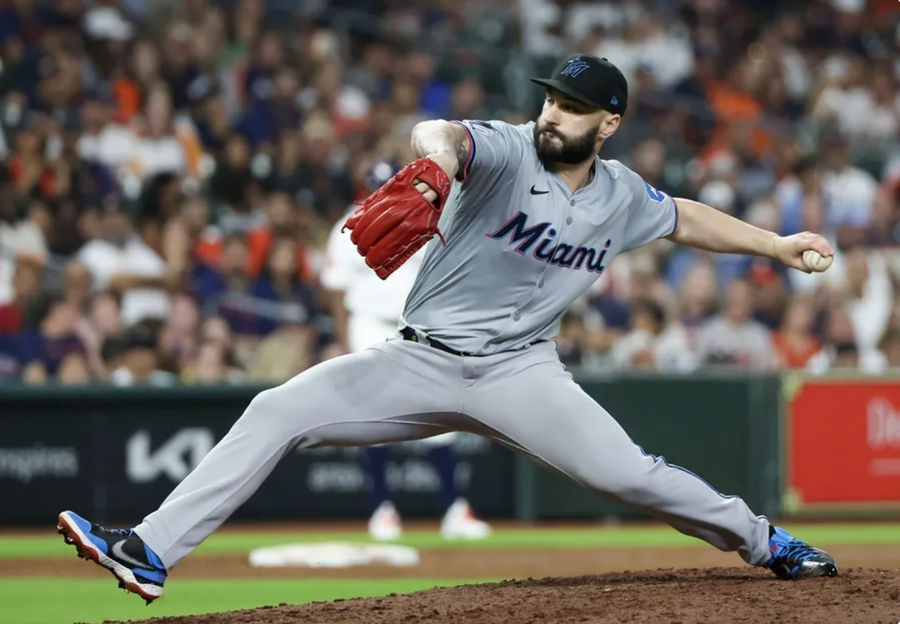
(333, 555)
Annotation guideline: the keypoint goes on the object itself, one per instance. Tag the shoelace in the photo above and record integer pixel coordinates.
(795, 550)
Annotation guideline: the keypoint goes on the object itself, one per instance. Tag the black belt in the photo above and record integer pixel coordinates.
(410, 334)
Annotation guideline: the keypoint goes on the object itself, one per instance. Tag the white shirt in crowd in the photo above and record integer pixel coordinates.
(671, 349)
(117, 146)
(104, 260)
(748, 345)
(23, 238)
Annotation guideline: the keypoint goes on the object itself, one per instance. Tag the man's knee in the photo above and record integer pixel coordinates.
(271, 408)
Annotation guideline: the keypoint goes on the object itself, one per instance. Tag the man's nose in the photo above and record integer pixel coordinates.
(551, 115)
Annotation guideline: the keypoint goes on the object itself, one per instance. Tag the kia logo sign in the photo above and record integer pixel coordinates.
(175, 458)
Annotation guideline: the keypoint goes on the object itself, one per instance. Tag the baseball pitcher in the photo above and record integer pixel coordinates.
(518, 220)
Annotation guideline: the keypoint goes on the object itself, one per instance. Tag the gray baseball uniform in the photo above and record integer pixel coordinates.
(520, 248)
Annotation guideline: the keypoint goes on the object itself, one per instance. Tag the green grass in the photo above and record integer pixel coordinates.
(63, 600)
(600, 537)
(56, 600)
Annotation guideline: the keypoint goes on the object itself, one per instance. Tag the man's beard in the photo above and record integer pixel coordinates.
(571, 152)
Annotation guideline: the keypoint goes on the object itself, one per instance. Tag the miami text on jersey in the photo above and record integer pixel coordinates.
(548, 250)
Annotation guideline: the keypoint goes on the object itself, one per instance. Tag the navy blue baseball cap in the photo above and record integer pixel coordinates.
(590, 79)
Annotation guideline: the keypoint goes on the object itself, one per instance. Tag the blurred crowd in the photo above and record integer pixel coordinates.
(171, 170)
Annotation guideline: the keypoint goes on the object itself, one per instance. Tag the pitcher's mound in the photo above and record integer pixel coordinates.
(688, 596)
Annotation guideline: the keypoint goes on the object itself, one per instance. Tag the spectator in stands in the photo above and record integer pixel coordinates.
(136, 142)
(849, 193)
(649, 344)
(571, 339)
(890, 348)
(698, 296)
(106, 314)
(51, 350)
(869, 297)
(794, 342)
(733, 338)
(122, 261)
(135, 360)
(225, 291)
(26, 286)
(177, 340)
(20, 236)
(211, 365)
(233, 186)
(101, 322)
(769, 293)
(839, 350)
(216, 330)
(280, 283)
(77, 284)
(885, 228)
(157, 149)
(282, 221)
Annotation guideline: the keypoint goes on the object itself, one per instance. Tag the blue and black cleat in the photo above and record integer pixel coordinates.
(120, 551)
(794, 559)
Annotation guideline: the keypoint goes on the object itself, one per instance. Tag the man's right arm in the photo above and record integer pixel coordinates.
(444, 142)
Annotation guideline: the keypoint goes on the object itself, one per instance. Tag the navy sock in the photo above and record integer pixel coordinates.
(443, 458)
(374, 462)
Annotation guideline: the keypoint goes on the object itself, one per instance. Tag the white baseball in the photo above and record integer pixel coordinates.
(814, 261)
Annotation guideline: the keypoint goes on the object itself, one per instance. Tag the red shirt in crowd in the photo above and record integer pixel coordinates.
(10, 318)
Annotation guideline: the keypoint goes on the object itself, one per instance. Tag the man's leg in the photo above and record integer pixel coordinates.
(358, 399)
(388, 393)
(540, 410)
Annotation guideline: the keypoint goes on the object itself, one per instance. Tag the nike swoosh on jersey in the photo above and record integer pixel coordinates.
(118, 553)
(534, 192)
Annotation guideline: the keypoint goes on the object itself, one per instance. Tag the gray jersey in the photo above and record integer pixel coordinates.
(521, 246)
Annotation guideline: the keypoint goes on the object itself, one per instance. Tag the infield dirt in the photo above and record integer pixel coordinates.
(686, 596)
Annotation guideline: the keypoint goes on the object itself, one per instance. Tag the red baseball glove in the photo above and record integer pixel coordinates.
(393, 223)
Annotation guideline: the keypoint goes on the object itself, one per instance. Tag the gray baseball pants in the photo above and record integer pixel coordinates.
(403, 390)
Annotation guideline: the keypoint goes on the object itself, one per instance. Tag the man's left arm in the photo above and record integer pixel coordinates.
(706, 228)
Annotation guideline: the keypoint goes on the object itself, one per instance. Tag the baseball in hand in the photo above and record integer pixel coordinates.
(814, 261)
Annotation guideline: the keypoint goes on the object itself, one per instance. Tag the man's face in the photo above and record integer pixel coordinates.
(567, 131)
(738, 302)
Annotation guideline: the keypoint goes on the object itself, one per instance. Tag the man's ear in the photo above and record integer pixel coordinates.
(609, 125)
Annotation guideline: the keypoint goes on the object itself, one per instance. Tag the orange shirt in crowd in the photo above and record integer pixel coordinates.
(259, 240)
(790, 357)
(732, 106)
(127, 96)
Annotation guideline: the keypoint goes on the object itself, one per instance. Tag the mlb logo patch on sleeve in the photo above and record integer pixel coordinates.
(655, 195)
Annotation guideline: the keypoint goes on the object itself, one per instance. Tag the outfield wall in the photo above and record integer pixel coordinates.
(114, 454)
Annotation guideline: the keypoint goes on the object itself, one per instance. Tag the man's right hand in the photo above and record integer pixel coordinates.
(448, 163)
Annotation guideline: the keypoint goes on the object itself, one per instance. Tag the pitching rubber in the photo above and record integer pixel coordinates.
(86, 550)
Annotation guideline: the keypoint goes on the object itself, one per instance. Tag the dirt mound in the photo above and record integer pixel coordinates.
(689, 596)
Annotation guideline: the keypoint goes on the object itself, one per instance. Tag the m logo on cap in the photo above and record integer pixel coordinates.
(574, 67)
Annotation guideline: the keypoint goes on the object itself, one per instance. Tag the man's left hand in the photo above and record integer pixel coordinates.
(789, 249)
